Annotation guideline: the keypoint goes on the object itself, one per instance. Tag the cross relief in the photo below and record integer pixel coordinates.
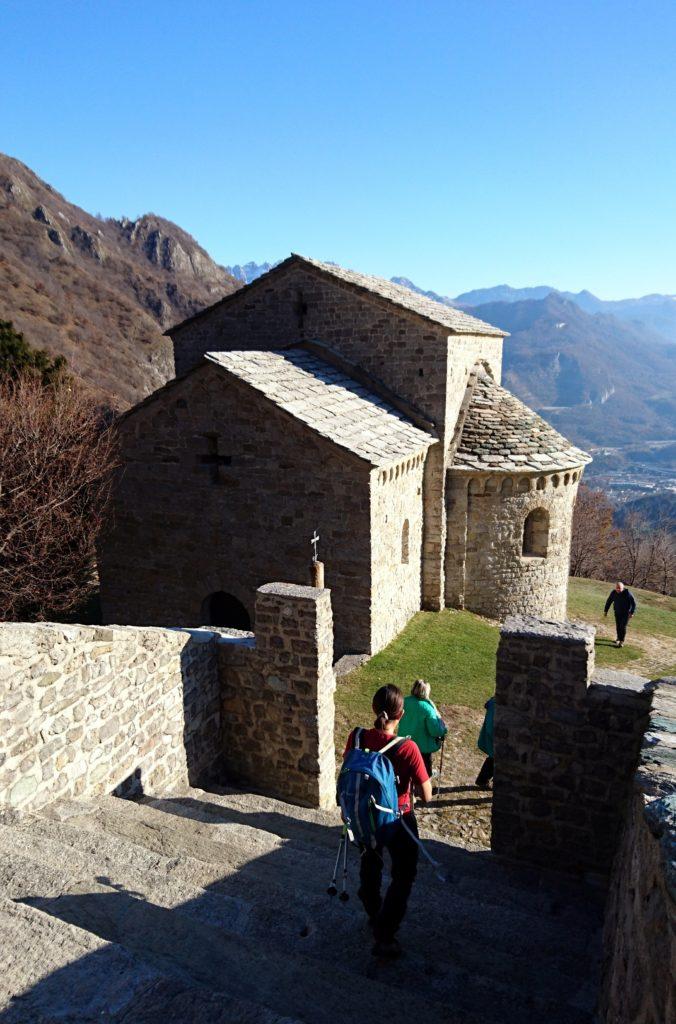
(213, 458)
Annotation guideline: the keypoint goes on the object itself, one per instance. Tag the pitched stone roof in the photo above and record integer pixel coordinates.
(454, 319)
(501, 433)
(329, 402)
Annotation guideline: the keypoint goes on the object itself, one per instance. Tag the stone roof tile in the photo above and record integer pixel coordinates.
(499, 429)
(327, 401)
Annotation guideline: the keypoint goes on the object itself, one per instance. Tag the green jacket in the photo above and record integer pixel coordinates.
(485, 741)
(422, 723)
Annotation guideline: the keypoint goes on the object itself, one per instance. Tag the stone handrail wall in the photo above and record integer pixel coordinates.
(277, 697)
(639, 943)
(85, 710)
(566, 747)
(88, 710)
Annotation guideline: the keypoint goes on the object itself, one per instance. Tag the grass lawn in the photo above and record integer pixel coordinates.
(454, 651)
(651, 637)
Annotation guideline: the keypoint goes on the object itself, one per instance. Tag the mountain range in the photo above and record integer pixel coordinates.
(102, 291)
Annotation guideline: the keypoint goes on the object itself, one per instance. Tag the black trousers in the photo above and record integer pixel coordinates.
(427, 761)
(388, 914)
(486, 773)
(621, 622)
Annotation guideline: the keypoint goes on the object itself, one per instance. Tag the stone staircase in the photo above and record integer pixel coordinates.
(212, 907)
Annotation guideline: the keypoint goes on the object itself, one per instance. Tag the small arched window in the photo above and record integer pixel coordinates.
(536, 533)
(405, 530)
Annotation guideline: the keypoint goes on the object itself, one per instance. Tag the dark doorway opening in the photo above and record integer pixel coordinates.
(221, 609)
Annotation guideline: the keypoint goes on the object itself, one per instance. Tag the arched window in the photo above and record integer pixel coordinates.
(221, 609)
(405, 530)
(536, 533)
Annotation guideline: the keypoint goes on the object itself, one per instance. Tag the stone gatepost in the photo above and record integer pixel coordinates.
(566, 746)
(277, 697)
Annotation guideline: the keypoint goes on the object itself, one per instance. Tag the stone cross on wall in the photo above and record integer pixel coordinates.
(315, 542)
(214, 459)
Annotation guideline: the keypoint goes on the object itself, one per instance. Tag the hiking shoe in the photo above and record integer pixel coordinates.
(386, 950)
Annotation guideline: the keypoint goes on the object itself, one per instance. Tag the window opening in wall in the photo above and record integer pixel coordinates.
(214, 459)
(536, 533)
(221, 609)
(405, 530)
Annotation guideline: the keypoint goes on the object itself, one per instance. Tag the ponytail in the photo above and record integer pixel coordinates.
(388, 704)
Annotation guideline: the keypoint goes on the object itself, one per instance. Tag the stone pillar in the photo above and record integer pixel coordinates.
(434, 530)
(566, 746)
(456, 539)
(278, 708)
(317, 575)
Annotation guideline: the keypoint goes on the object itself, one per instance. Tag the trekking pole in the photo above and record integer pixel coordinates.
(332, 889)
(441, 766)
(344, 895)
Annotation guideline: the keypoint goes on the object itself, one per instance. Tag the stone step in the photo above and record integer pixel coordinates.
(52, 971)
(293, 868)
(305, 920)
(195, 954)
(475, 875)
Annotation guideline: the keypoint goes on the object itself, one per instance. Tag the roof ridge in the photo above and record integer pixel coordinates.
(454, 320)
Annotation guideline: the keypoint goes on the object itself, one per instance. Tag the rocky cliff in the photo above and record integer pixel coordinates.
(100, 292)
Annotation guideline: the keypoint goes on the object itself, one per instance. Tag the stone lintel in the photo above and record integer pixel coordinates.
(292, 591)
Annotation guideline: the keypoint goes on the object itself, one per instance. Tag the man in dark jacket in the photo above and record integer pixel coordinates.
(624, 607)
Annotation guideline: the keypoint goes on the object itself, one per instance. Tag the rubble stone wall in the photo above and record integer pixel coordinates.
(487, 570)
(87, 709)
(277, 698)
(639, 941)
(566, 747)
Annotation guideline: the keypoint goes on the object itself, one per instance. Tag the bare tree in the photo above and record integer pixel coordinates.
(594, 538)
(56, 461)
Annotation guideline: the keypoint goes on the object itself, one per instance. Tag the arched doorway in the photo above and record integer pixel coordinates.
(221, 609)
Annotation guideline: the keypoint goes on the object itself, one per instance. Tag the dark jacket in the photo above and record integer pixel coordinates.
(623, 603)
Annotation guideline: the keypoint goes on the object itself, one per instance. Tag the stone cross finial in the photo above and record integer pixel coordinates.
(314, 542)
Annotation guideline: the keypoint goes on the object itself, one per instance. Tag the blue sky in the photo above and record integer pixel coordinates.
(461, 144)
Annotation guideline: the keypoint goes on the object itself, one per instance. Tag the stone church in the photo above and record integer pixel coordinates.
(321, 399)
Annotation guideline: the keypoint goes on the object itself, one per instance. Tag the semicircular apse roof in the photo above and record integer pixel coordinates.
(500, 433)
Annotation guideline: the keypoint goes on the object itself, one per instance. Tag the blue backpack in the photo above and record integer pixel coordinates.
(367, 792)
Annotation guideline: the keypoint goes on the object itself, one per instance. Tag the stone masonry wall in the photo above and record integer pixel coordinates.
(277, 700)
(186, 526)
(87, 709)
(566, 747)
(639, 942)
(415, 359)
(486, 569)
(396, 547)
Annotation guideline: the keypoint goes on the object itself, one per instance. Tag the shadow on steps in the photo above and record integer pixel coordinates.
(308, 957)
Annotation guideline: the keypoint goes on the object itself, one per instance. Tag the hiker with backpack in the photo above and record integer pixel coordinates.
(422, 722)
(380, 766)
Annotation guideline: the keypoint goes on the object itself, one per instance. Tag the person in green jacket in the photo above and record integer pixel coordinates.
(485, 744)
(422, 722)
